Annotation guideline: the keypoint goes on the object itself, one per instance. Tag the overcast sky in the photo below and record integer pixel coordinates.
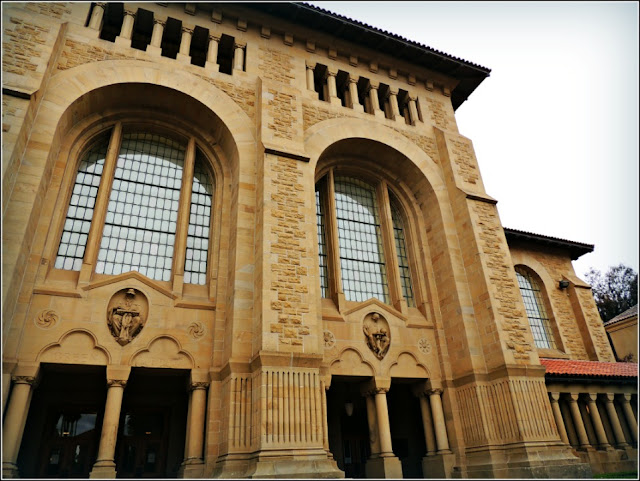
(555, 125)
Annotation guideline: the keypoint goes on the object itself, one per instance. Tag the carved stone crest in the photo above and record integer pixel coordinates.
(127, 314)
(377, 334)
(329, 339)
(424, 345)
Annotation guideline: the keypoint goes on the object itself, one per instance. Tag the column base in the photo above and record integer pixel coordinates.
(182, 58)
(438, 465)
(106, 471)
(524, 461)
(383, 467)
(9, 470)
(281, 465)
(155, 51)
(191, 470)
(335, 101)
(124, 42)
(212, 66)
(615, 461)
(379, 113)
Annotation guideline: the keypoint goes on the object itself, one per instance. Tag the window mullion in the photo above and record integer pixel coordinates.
(102, 202)
(388, 244)
(183, 216)
(333, 253)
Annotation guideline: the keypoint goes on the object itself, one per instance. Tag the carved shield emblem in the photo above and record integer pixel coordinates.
(377, 334)
(127, 314)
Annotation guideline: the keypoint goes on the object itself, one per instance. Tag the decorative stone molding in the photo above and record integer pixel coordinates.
(47, 318)
(329, 339)
(424, 345)
(198, 385)
(127, 314)
(196, 330)
(377, 334)
(31, 380)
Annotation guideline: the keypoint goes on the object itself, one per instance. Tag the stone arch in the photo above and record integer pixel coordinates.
(162, 351)
(351, 363)
(77, 346)
(407, 365)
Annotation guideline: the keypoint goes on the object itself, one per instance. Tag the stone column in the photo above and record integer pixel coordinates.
(374, 437)
(193, 464)
(427, 424)
(557, 414)
(96, 15)
(14, 421)
(105, 466)
(568, 419)
(375, 103)
(310, 78)
(127, 28)
(628, 413)
(185, 45)
(331, 87)
(353, 93)
(601, 435)
(442, 441)
(577, 421)
(413, 110)
(212, 53)
(238, 56)
(324, 385)
(382, 416)
(154, 46)
(395, 110)
(621, 442)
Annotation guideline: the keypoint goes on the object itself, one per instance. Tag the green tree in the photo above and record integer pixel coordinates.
(614, 292)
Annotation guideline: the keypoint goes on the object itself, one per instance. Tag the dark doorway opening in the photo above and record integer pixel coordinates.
(152, 428)
(407, 432)
(348, 434)
(63, 426)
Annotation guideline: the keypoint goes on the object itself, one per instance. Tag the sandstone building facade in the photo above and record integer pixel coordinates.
(248, 240)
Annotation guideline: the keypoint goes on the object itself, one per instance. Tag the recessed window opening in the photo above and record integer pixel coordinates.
(363, 94)
(342, 86)
(419, 110)
(225, 53)
(171, 38)
(403, 105)
(401, 252)
(142, 29)
(322, 241)
(199, 46)
(383, 100)
(112, 21)
(320, 81)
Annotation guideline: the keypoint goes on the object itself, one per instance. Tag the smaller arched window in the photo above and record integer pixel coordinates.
(152, 208)
(530, 289)
(369, 239)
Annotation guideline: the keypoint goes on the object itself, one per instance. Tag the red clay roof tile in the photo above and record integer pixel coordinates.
(590, 368)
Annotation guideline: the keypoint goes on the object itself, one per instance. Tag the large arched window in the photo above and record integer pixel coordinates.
(535, 307)
(145, 200)
(369, 239)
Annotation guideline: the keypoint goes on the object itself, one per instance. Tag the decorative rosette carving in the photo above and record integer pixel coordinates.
(196, 330)
(329, 339)
(424, 345)
(47, 318)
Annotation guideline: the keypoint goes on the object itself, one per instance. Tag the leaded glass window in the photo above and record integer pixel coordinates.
(401, 251)
(322, 246)
(364, 272)
(195, 266)
(139, 217)
(140, 226)
(80, 213)
(536, 312)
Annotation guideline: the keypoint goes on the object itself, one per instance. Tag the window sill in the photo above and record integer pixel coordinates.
(553, 354)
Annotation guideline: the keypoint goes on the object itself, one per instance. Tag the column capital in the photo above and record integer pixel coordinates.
(591, 396)
(240, 44)
(117, 382)
(393, 91)
(130, 12)
(31, 380)
(102, 5)
(310, 65)
(373, 85)
(573, 397)
(381, 390)
(627, 396)
(198, 385)
(160, 21)
(413, 98)
(214, 37)
(609, 397)
(436, 390)
(332, 72)
(554, 396)
(187, 30)
(353, 79)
